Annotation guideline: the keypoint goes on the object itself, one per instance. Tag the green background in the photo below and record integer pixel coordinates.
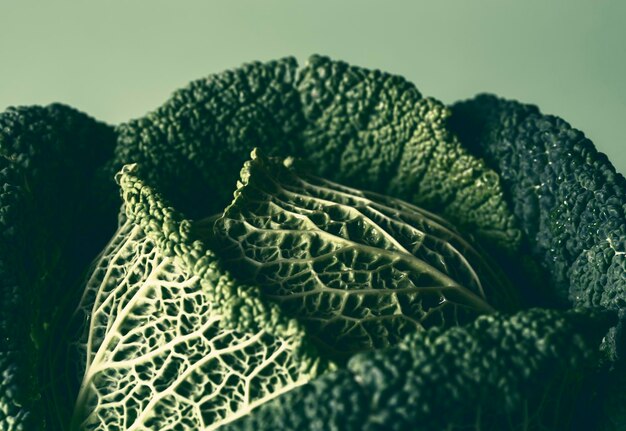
(116, 60)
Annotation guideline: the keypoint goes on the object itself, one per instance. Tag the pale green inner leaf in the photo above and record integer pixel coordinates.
(156, 355)
(359, 269)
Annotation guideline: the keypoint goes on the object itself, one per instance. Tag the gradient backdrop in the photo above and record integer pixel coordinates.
(118, 59)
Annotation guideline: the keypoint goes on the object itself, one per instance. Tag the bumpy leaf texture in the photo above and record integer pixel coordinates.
(571, 204)
(375, 131)
(518, 372)
(359, 127)
(569, 199)
(171, 342)
(361, 270)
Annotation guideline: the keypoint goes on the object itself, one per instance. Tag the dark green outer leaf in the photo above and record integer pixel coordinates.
(571, 204)
(52, 223)
(374, 131)
(500, 373)
(360, 127)
(569, 199)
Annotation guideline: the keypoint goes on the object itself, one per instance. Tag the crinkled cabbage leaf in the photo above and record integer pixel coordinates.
(361, 270)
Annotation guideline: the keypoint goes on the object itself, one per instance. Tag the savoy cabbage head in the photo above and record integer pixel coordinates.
(316, 247)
